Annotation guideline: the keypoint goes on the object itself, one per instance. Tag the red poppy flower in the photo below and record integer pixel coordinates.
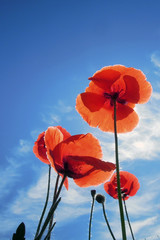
(78, 157)
(128, 86)
(40, 150)
(129, 185)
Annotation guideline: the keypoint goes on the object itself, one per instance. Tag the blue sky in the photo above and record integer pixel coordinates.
(48, 50)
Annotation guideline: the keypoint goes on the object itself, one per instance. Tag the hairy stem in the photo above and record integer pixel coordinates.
(51, 220)
(90, 221)
(46, 202)
(105, 216)
(125, 207)
(118, 177)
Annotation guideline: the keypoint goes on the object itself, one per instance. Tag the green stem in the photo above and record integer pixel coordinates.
(90, 221)
(52, 209)
(60, 187)
(49, 231)
(118, 177)
(125, 207)
(51, 220)
(105, 216)
(46, 202)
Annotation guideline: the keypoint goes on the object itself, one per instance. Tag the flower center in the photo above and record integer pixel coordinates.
(124, 192)
(112, 96)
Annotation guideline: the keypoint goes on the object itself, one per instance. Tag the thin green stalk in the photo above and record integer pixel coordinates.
(125, 207)
(91, 214)
(105, 216)
(60, 187)
(51, 220)
(52, 209)
(118, 177)
(51, 228)
(46, 202)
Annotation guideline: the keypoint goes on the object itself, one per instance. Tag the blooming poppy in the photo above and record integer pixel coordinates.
(79, 157)
(39, 147)
(126, 86)
(129, 185)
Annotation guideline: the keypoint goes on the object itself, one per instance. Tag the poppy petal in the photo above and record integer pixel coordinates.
(119, 86)
(85, 165)
(78, 145)
(132, 183)
(132, 93)
(145, 88)
(53, 136)
(64, 132)
(105, 77)
(91, 101)
(93, 172)
(111, 190)
(94, 89)
(127, 119)
(39, 149)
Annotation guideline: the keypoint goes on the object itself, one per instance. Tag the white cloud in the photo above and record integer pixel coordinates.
(35, 133)
(24, 147)
(8, 176)
(56, 113)
(69, 213)
(138, 225)
(38, 191)
(51, 119)
(155, 58)
(75, 196)
(62, 107)
(138, 205)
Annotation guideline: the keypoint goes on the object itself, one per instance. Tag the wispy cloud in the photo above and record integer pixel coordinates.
(51, 119)
(57, 112)
(63, 108)
(155, 58)
(8, 176)
(24, 147)
(138, 225)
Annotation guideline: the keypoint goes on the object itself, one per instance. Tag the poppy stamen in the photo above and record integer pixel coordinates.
(115, 96)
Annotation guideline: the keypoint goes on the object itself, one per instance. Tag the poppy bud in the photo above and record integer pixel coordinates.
(100, 198)
(93, 193)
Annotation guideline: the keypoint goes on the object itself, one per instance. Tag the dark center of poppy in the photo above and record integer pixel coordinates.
(124, 192)
(112, 96)
(69, 172)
